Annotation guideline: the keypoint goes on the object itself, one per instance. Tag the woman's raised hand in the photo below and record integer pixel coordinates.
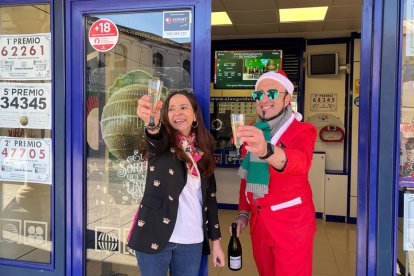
(144, 110)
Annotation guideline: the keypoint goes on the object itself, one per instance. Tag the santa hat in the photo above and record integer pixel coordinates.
(278, 76)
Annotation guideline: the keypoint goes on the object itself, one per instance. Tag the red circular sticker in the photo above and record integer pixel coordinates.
(103, 35)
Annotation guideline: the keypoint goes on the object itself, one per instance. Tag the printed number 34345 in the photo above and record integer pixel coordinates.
(23, 103)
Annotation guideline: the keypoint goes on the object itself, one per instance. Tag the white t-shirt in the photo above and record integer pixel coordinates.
(189, 225)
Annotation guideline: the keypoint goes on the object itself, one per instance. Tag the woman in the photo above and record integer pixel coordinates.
(178, 212)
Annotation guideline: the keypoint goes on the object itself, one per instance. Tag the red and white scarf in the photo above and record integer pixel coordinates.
(195, 154)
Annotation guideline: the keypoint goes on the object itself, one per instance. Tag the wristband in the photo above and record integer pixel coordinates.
(270, 151)
(243, 214)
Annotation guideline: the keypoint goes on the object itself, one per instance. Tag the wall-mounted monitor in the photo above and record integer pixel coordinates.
(241, 69)
(325, 64)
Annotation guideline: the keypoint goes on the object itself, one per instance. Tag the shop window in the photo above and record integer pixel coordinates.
(26, 145)
(406, 162)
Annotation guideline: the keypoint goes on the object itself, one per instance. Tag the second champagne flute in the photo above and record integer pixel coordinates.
(154, 91)
(237, 119)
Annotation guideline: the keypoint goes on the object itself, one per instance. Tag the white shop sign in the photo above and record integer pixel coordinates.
(25, 57)
(25, 160)
(25, 105)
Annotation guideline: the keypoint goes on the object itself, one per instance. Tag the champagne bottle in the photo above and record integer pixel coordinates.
(234, 250)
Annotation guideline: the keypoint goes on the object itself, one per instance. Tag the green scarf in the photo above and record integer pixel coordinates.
(254, 169)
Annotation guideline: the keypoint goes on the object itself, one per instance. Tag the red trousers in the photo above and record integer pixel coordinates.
(283, 240)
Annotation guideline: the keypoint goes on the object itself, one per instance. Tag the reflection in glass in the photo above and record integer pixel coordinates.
(25, 213)
(116, 158)
(406, 168)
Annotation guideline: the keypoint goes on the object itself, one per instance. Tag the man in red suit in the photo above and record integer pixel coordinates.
(275, 191)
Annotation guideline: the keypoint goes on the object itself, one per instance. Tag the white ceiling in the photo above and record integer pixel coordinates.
(260, 19)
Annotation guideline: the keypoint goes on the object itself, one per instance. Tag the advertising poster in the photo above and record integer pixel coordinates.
(407, 154)
(323, 102)
(176, 24)
(25, 57)
(25, 105)
(25, 160)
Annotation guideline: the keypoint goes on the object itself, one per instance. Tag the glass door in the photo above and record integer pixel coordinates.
(122, 52)
(113, 52)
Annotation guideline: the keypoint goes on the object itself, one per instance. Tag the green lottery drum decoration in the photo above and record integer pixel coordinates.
(122, 131)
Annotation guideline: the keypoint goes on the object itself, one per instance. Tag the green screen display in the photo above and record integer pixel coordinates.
(241, 69)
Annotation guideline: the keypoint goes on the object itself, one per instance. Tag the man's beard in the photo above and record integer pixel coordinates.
(273, 117)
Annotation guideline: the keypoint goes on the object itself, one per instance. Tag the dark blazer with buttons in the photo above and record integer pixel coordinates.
(157, 214)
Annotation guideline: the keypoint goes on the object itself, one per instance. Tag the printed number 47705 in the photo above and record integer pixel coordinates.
(22, 152)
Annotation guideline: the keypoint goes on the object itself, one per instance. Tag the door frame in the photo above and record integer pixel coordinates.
(378, 171)
(75, 152)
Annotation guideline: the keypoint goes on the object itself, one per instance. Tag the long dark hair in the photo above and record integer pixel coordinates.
(204, 140)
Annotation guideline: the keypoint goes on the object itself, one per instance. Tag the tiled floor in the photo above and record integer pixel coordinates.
(334, 252)
(334, 249)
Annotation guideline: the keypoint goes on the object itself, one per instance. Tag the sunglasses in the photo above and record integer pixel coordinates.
(271, 94)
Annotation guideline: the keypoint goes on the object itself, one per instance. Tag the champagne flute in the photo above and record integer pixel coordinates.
(237, 119)
(154, 91)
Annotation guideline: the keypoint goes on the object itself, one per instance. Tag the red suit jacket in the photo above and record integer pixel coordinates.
(298, 142)
(282, 223)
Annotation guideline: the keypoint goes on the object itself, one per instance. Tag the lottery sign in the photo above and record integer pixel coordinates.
(176, 24)
(323, 102)
(103, 35)
(25, 105)
(25, 159)
(25, 57)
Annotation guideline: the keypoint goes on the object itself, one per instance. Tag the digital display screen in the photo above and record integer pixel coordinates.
(323, 64)
(241, 69)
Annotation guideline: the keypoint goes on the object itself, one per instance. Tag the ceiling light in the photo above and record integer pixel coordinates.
(220, 18)
(302, 14)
